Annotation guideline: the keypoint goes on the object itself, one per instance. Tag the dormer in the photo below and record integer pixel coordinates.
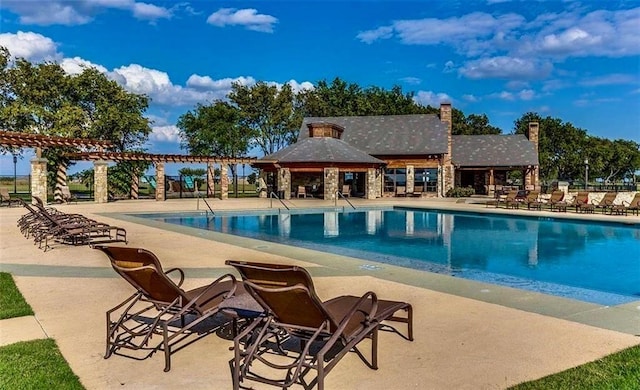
(325, 130)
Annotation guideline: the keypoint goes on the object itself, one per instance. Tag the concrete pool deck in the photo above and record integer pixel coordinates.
(468, 335)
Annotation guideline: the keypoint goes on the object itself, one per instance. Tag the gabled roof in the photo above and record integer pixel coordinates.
(389, 134)
(493, 151)
(320, 150)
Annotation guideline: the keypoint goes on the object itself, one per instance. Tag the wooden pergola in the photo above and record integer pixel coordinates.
(100, 159)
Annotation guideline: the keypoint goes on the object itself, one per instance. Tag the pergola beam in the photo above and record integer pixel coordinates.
(13, 139)
(157, 158)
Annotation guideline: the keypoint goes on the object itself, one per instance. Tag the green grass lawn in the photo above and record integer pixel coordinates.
(620, 371)
(12, 303)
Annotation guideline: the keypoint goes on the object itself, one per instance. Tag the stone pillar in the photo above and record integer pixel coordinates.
(100, 186)
(447, 164)
(372, 184)
(331, 179)
(224, 182)
(61, 181)
(160, 188)
(284, 183)
(410, 179)
(135, 185)
(211, 180)
(39, 178)
(533, 178)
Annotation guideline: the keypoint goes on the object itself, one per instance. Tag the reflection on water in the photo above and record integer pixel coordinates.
(602, 257)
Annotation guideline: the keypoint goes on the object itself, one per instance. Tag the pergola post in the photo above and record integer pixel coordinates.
(224, 182)
(39, 177)
(160, 181)
(372, 185)
(101, 189)
(262, 178)
(135, 185)
(284, 182)
(61, 181)
(410, 179)
(331, 178)
(211, 181)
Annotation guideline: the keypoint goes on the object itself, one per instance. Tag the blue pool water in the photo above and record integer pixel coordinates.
(593, 262)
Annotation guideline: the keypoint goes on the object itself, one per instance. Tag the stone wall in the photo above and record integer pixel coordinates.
(160, 181)
(284, 183)
(39, 178)
(331, 181)
(224, 182)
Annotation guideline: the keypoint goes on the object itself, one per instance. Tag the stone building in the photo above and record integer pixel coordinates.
(396, 155)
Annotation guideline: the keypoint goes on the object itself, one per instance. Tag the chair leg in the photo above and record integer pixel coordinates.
(167, 347)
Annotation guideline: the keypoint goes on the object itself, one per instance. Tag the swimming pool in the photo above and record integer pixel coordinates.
(588, 261)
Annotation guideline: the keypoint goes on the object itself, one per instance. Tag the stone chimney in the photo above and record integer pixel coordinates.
(447, 165)
(533, 176)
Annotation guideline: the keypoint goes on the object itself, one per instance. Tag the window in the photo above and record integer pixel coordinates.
(394, 177)
(426, 178)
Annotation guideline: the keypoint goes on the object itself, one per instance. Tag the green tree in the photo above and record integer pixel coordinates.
(562, 148)
(267, 114)
(613, 160)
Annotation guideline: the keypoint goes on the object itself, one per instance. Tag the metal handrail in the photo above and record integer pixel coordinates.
(339, 194)
(273, 195)
(205, 202)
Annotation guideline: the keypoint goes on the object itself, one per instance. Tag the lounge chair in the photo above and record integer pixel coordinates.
(581, 203)
(6, 198)
(557, 201)
(511, 201)
(634, 205)
(532, 200)
(606, 203)
(417, 191)
(401, 191)
(159, 306)
(326, 331)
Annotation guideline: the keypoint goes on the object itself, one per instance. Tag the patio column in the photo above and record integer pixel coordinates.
(284, 183)
(100, 186)
(39, 178)
(135, 185)
(224, 182)
(160, 196)
(372, 184)
(331, 179)
(211, 180)
(262, 179)
(61, 181)
(410, 179)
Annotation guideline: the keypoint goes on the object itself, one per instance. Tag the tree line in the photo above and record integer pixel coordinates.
(42, 98)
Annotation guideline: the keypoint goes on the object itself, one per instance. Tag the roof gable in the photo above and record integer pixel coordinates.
(321, 150)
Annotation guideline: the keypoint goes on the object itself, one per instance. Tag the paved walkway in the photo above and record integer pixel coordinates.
(468, 335)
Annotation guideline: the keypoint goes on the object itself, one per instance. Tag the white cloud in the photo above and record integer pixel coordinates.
(76, 12)
(297, 87)
(611, 79)
(470, 98)
(428, 98)
(525, 95)
(370, 36)
(449, 67)
(506, 68)
(30, 46)
(76, 65)
(249, 18)
(168, 133)
(411, 80)
(205, 82)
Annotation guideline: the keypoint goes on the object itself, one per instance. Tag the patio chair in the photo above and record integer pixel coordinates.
(6, 198)
(512, 201)
(532, 200)
(557, 201)
(306, 333)
(160, 306)
(634, 205)
(302, 192)
(401, 191)
(606, 203)
(346, 190)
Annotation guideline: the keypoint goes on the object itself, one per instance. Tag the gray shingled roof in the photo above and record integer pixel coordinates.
(493, 151)
(321, 150)
(389, 134)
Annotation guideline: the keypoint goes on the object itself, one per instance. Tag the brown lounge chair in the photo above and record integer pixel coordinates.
(159, 306)
(606, 203)
(326, 331)
(634, 205)
(557, 201)
(532, 200)
(581, 203)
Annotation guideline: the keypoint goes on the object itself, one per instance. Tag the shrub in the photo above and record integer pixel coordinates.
(460, 192)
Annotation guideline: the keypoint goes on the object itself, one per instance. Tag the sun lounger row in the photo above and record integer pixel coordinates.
(47, 225)
(278, 323)
(557, 202)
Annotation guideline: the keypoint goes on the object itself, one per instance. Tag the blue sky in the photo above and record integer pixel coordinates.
(574, 60)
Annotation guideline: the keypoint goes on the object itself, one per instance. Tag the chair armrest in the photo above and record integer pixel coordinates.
(188, 306)
(167, 272)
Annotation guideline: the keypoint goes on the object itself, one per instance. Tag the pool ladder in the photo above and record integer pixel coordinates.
(340, 195)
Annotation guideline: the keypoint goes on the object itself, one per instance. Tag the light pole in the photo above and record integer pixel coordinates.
(586, 172)
(15, 181)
